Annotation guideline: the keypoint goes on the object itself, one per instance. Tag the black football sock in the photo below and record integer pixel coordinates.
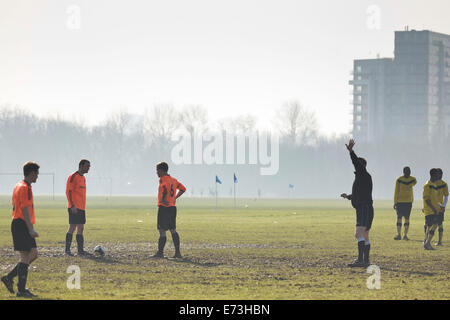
(68, 241)
(406, 225)
(161, 244)
(80, 242)
(430, 234)
(399, 227)
(441, 233)
(361, 246)
(13, 272)
(367, 252)
(176, 241)
(22, 272)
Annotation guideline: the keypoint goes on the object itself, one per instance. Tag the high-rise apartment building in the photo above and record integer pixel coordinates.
(407, 97)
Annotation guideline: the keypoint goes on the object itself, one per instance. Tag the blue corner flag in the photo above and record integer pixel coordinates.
(291, 186)
(218, 180)
(235, 179)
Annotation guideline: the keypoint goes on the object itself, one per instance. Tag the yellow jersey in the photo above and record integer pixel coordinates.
(404, 189)
(432, 191)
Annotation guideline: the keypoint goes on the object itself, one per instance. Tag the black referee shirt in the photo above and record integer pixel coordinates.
(362, 186)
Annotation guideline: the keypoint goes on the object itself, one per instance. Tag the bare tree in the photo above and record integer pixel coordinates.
(296, 124)
(194, 119)
(241, 124)
(160, 124)
(117, 125)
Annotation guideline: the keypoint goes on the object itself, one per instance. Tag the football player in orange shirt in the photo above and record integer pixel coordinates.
(22, 230)
(76, 206)
(167, 211)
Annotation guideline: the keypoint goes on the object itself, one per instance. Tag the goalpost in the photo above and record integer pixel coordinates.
(51, 174)
(101, 185)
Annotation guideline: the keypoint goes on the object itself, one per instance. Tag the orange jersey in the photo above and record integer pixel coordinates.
(23, 197)
(167, 191)
(76, 191)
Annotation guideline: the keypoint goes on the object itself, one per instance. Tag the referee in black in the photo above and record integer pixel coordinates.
(361, 199)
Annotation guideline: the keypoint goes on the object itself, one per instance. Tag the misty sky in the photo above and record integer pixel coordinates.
(233, 57)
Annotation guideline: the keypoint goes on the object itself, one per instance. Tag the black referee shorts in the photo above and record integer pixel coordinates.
(167, 218)
(364, 216)
(404, 210)
(77, 218)
(22, 239)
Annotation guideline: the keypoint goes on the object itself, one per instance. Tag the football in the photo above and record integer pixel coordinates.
(99, 250)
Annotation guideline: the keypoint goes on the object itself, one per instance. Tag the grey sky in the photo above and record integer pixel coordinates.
(233, 57)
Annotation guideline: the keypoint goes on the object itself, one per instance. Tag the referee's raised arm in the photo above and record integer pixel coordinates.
(355, 160)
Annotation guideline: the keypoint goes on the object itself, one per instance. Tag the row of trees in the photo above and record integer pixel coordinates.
(124, 149)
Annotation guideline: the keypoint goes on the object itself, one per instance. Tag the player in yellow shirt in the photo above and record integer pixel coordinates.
(443, 189)
(432, 201)
(403, 200)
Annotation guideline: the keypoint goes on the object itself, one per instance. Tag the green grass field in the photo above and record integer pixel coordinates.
(273, 249)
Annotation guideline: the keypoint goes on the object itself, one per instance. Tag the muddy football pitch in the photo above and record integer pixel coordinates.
(267, 249)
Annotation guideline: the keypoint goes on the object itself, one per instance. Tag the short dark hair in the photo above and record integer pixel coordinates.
(30, 167)
(434, 171)
(163, 166)
(83, 162)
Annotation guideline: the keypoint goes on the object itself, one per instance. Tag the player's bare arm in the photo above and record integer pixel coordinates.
(179, 194)
(428, 201)
(443, 205)
(395, 195)
(73, 209)
(26, 216)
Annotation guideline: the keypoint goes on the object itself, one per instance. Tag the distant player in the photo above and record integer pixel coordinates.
(167, 211)
(403, 200)
(361, 199)
(76, 199)
(432, 206)
(443, 189)
(22, 230)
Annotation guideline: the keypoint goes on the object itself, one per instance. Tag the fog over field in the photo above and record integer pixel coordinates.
(255, 89)
(288, 160)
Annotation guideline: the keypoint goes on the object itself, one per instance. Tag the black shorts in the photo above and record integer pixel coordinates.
(432, 219)
(77, 218)
(167, 218)
(22, 239)
(364, 216)
(404, 210)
